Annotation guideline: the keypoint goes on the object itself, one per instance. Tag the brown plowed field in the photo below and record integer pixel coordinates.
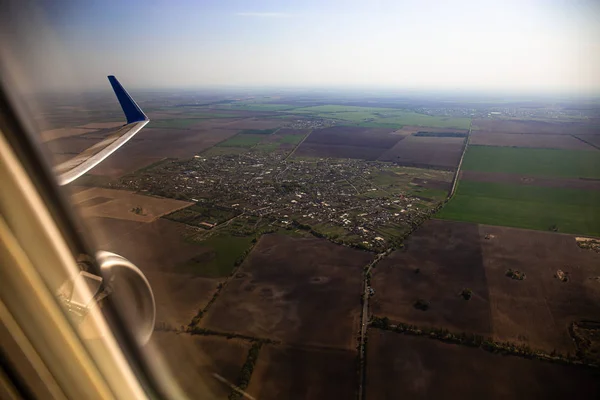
(338, 151)
(539, 309)
(536, 311)
(154, 144)
(303, 374)
(448, 256)
(409, 367)
(354, 136)
(348, 142)
(529, 140)
(156, 248)
(298, 290)
(516, 179)
(530, 126)
(192, 361)
(425, 152)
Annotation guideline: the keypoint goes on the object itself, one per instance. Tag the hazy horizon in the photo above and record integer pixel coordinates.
(528, 47)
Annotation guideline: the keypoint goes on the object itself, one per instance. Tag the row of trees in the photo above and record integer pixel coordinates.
(474, 340)
(246, 372)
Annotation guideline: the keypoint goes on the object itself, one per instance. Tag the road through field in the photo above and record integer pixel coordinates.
(365, 320)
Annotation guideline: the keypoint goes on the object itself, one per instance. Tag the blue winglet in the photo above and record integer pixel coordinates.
(132, 111)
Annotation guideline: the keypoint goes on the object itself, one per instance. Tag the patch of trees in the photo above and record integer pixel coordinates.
(466, 293)
(515, 274)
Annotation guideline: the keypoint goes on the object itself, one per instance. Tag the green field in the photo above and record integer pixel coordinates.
(258, 106)
(224, 251)
(382, 117)
(291, 139)
(537, 162)
(531, 207)
(245, 140)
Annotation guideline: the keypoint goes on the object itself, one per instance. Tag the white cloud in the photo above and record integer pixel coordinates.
(263, 14)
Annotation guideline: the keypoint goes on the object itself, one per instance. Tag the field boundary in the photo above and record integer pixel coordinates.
(298, 145)
(478, 341)
(456, 175)
(586, 142)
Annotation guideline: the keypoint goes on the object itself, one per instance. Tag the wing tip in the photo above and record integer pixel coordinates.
(132, 111)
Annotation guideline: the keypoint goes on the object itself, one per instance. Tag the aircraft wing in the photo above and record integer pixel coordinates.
(72, 169)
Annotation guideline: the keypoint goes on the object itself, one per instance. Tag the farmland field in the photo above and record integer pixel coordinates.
(247, 140)
(303, 373)
(155, 144)
(531, 207)
(348, 142)
(528, 180)
(541, 162)
(564, 142)
(382, 117)
(417, 368)
(202, 357)
(222, 252)
(421, 151)
(123, 204)
(280, 288)
(439, 260)
(442, 257)
(178, 295)
(533, 126)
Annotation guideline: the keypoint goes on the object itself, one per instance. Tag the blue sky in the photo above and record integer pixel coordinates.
(521, 45)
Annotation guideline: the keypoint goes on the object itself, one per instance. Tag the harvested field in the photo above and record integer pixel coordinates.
(348, 142)
(408, 367)
(439, 260)
(195, 359)
(426, 152)
(531, 126)
(517, 179)
(281, 289)
(539, 309)
(529, 140)
(121, 204)
(303, 373)
(151, 145)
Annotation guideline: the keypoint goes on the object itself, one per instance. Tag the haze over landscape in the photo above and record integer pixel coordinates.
(468, 45)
